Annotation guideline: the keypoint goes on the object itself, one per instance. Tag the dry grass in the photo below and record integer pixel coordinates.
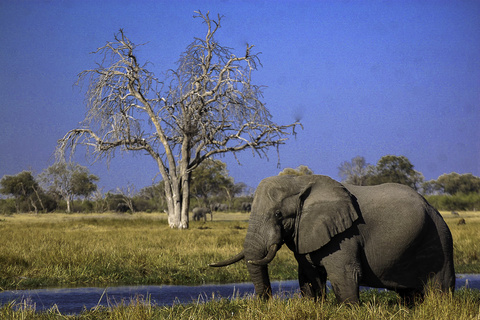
(84, 250)
(466, 240)
(61, 249)
(463, 305)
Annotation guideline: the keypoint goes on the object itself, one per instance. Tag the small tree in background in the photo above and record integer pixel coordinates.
(24, 189)
(299, 171)
(68, 180)
(355, 172)
(397, 169)
(127, 195)
(454, 183)
(154, 195)
(211, 179)
(206, 107)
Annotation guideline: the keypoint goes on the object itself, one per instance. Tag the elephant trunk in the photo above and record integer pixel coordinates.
(261, 280)
(257, 258)
(272, 251)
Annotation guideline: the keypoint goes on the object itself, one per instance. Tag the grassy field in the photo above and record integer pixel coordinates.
(87, 250)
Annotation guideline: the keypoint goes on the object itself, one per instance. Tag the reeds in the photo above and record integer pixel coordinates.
(464, 304)
(85, 250)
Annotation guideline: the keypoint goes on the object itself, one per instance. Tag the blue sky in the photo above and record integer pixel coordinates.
(368, 78)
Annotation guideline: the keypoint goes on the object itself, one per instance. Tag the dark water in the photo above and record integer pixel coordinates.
(75, 300)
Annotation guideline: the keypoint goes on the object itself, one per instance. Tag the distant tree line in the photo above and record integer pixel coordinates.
(69, 187)
(450, 191)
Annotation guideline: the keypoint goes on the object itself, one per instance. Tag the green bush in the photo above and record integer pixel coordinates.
(457, 201)
(7, 206)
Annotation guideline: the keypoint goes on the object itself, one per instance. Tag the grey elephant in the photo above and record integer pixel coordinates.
(201, 212)
(384, 236)
(246, 206)
(220, 207)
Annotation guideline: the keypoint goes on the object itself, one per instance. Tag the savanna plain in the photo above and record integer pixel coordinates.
(52, 250)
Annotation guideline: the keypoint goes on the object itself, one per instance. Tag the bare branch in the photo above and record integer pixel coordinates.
(205, 107)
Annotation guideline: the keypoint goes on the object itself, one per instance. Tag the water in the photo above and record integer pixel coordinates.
(75, 300)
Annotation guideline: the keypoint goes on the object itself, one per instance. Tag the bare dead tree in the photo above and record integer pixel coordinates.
(206, 107)
(127, 195)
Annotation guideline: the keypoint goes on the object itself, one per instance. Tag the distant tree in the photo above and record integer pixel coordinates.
(23, 188)
(206, 107)
(154, 195)
(83, 184)
(431, 187)
(454, 183)
(233, 190)
(355, 172)
(239, 188)
(211, 179)
(299, 171)
(127, 193)
(68, 179)
(397, 169)
(99, 200)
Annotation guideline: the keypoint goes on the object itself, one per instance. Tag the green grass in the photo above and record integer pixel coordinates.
(466, 241)
(464, 304)
(86, 250)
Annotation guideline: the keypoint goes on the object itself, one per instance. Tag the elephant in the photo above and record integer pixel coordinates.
(220, 207)
(246, 206)
(384, 236)
(201, 212)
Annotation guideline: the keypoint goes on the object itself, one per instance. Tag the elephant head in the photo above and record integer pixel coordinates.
(304, 212)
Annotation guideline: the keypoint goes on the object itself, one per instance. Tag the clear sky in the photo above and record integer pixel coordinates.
(368, 78)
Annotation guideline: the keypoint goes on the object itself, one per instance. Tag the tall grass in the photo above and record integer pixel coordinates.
(464, 304)
(80, 250)
(466, 240)
(85, 250)
(63, 250)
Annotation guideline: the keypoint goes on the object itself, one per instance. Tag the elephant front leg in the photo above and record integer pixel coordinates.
(311, 279)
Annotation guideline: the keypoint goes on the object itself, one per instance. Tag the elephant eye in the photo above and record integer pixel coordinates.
(278, 214)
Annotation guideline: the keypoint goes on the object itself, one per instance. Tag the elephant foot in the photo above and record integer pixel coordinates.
(409, 297)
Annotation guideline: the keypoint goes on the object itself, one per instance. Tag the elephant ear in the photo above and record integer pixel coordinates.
(325, 209)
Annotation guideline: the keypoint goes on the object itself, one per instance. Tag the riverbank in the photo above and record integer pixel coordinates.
(77, 300)
(98, 249)
(464, 304)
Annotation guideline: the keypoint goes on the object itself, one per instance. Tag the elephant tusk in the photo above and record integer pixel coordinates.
(268, 258)
(230, 261)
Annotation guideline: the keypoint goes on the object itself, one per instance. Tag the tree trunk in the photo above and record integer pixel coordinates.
(34, 206)
(177, 208)
(185, 201)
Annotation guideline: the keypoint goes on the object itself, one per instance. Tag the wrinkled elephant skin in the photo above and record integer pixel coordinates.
(384, 236)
